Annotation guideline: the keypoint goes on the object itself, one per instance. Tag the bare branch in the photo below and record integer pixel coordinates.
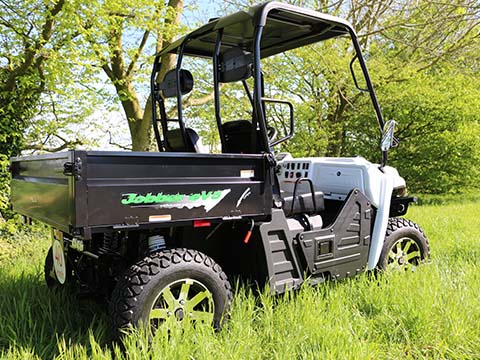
(190, 101)
(108, 71)
(65, 145)
(137, 53)
(111, 142)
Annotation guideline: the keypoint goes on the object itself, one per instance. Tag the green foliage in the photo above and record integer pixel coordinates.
(425, 78)
(438, 130)
(4, 182)
(30, 65)
(38, 67)
(432, 313)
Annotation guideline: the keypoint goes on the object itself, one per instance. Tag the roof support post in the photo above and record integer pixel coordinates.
(370, 88)
(153, 95)
(258, 112)
(179, 91)
(216, 87)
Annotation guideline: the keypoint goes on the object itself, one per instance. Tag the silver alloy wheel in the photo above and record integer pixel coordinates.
(405, 253)
(184, 299)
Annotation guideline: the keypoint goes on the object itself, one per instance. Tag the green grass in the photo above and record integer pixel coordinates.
(432, 313)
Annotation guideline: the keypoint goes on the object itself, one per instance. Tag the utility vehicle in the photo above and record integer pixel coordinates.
(163, 233)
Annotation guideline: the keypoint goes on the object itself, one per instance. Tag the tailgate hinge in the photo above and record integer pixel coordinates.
(73, 169)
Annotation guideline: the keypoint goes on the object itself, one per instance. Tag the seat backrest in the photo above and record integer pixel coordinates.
(304, 204)
(175, 142)
(238, 136)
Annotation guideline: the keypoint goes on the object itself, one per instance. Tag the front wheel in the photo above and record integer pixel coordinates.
(405, 246)
(169, 287)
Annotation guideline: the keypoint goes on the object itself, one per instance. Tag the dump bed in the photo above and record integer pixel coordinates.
(88, 191)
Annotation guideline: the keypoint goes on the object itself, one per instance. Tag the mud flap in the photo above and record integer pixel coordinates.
(59, 269)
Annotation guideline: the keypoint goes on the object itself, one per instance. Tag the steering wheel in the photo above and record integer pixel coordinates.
(271, 133)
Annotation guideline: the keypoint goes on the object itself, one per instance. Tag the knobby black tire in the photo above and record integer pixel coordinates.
(398, 228)
(131, 299)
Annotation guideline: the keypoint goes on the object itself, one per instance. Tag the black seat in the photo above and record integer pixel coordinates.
(175, 142)
(303, 204)
(173, 138)
(238, 136)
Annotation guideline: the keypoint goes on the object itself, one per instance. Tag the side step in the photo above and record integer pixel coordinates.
(283, 270)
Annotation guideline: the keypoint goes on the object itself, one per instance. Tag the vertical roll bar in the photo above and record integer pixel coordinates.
(257, 93)
(370, 88)
(216, 87)
(153, 90)
(179, 91)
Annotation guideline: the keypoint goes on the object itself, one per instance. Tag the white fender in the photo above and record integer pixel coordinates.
(381, 221)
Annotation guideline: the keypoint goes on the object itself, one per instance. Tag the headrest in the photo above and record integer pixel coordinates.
(169, 84)
(175, 141)
(235, 65)
(237, 125)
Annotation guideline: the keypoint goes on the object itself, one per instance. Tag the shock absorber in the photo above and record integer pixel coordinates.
(156, 243)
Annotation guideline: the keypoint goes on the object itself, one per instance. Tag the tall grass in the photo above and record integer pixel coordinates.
(432, 313)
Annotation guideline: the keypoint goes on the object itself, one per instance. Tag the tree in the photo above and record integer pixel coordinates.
(118, 34)
(36, 39)
(26, 46)
(438, 134)
(40, 92)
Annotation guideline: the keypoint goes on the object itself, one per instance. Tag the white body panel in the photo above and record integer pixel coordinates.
(336, 177)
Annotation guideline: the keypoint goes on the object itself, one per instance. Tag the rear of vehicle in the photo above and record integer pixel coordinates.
(88, 192)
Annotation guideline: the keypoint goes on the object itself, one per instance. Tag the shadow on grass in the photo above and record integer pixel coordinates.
(34, 318)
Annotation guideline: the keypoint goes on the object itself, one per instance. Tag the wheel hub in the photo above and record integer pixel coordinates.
(179, 314)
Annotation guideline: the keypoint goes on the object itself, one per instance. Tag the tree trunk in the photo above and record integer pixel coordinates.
(139, 120)
(139, 126)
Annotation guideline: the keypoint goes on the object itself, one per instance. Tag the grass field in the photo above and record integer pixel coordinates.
(431, 313)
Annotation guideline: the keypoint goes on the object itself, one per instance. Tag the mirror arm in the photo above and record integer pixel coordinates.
(352, 71)
(368, 81)
(384, 160)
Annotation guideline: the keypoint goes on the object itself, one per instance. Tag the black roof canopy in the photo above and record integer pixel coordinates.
(285, 27)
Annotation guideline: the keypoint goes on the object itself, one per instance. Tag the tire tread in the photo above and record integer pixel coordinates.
(131, 284)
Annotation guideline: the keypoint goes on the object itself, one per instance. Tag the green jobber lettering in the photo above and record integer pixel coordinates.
(149, 198)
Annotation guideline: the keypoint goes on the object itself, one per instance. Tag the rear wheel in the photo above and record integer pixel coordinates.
(169, 287)
(405, 246)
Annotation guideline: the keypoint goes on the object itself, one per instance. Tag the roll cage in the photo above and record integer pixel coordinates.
(261, 31)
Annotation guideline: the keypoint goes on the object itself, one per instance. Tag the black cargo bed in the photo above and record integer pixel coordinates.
(88, 191)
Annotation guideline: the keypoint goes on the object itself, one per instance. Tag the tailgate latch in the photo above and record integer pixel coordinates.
(73, 169)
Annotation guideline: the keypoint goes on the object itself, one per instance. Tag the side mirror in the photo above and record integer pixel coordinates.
(388, 140)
